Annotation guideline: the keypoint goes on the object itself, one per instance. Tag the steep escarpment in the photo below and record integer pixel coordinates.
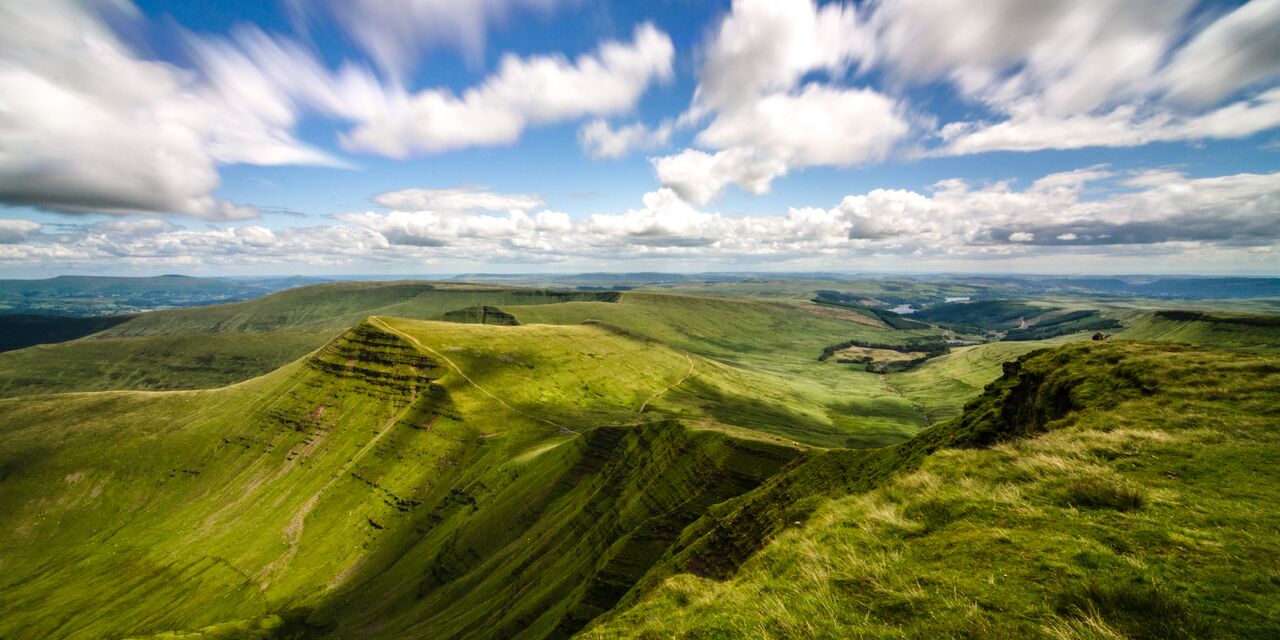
(372, 488)
(539, 545)
(133, 513)
(1095, 490)
(1035, 390)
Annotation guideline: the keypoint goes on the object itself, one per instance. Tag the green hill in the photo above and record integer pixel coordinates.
(631, 465)
(1095, 491)
(216, 345)
(412, 475)
(769, 348)
(1229, 330)
(483, 314)
(980, 316)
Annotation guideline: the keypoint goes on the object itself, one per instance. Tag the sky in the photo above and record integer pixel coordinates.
(276, 137)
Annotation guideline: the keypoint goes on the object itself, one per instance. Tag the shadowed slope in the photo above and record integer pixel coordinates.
(1094, 491)
(369, 488)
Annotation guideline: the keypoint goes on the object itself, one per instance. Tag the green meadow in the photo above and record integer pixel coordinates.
(437, 460)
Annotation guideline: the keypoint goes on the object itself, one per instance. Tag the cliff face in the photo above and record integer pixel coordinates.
(1114, 489)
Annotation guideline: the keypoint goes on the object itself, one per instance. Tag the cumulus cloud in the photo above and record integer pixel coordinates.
(601, 141)
(767, 46)
(521, 92)
(699, 176)
(16, 231)
(88, 126)
(1149, 208)
(1094, 211)
(765, 119)
(780, 77)
(453, 217)
(816, 125)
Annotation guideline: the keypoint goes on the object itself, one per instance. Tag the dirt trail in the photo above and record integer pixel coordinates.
(668, 387)
(293, 530)
(378, 321)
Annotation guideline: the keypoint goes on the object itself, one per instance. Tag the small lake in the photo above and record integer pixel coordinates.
(903, 309)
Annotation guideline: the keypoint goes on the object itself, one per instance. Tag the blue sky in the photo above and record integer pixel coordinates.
(426, 136)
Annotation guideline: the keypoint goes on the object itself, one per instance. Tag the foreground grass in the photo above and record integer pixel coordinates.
(1146, 512)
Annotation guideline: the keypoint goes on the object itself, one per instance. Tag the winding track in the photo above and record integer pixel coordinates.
(667, 388)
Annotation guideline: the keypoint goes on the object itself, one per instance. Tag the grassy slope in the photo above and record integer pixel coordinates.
(211, 346)
(191, 361)
(943, 385)
(496, 504)
(1236, 331)
(415, 503)
(1116, 490)
(770, 348)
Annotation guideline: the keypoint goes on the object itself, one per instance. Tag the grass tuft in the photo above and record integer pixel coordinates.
(1139, 609)
(1092, 492)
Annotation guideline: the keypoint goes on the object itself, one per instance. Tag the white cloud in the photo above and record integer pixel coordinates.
(665, 220)
(134, 227)
(17, 231)
(522, 92)
(89, 127)
(281, 76)
(1062, 75)
(1123, 126)
(1068, 56)
(448, 217)
(1089, 214)
(456, 200)
(764, 121)
(817, 125)
(395, 33)
(599, 140)
(767, 46)
(1236, 51)
(699, 176)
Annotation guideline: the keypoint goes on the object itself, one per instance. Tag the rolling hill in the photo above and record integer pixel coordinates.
(408, 466)
(216, 345)
(631, 465)
(1095, 491)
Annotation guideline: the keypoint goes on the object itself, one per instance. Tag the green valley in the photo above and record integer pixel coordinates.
(390, 460)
